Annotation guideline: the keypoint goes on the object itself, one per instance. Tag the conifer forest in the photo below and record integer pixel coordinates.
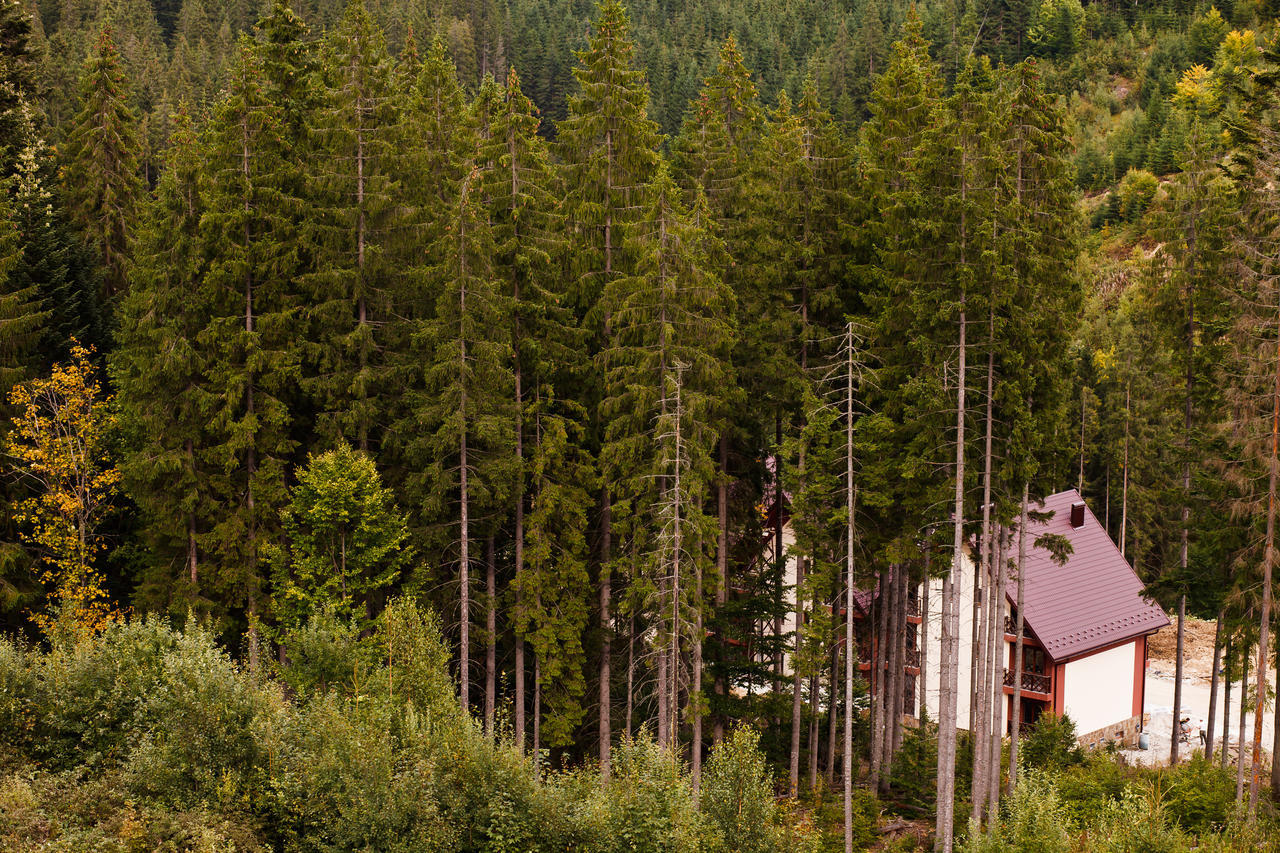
(540, 425)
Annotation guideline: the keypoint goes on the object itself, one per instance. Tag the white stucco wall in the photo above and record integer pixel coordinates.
(1099, 688)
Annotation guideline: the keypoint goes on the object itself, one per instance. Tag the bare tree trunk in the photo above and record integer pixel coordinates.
(631, 671)
(995, 681)
(833, 700)
(1177, 675)
(905, 627)
(897, 672)
(797, 681)
(464, 575)
(849, 653)
(814, 745)
(779, 556)
(722, 569)
(491, 641)
(664, 689)
(1015, 723)
(1213, 688)
(695, 703)
(1124, 488)
(606, 635)
(951, 628)
(879, 666)
(1226, 701)
(923, 645)
(1244, 718)
(1275, 747)
(1268, 561)
(537, 704)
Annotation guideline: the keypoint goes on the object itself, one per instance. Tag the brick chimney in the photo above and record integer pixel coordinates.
(1077, 515)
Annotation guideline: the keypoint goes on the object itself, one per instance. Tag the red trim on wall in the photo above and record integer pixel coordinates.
(1059, 681)
(1139, 673)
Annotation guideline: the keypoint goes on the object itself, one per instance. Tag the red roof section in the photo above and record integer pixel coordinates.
(1094, 600)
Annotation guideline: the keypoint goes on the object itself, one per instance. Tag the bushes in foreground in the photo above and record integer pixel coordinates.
(149, 737)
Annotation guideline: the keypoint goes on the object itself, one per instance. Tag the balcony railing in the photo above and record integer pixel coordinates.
(1033, 681)
(913, 658)
(913, 607)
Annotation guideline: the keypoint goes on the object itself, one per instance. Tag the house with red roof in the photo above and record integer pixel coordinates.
(1086, 624)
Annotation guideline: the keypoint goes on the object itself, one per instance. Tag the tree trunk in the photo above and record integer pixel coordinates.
(814, 745)
(898, 669)
(464, 576)
(1015, 723)
(1177, 674)
(491, 641)
(1213, 687)
(519, 721)
(951, 629)
(631, 671)
(722, 571)
(833, 700)
(1226, 701)
(1275, 747)
(879, 667)
(1124, 488)
(664, 690)
(1268, 562)
(797, 684)
(695, 697)
(849, 654)
(606, 635)
(779, 556)
(923, 645)
(995, 683)
(537, 704)
(1244, 717)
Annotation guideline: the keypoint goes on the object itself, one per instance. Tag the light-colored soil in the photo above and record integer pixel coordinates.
(1197, 648)
(1198, 665)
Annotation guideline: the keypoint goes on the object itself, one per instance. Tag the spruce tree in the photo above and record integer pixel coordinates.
(250, 340)
(102, 178)
(459, 430)
(158, 371)
(351, 229)
(518, 182)
(22, 325)
(672, 329)
(609, 148)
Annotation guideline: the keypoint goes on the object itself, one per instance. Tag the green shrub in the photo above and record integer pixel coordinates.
(1201, 796)
(18, 711)
(1134, 195)
(201, 746)
(1051, 744)
(339, 781)
(1088, 789)
(1137, 824)
(649, 807)
(326, 653)
(915, 768)
(92, 698)
(1032, 820)
(737, 794)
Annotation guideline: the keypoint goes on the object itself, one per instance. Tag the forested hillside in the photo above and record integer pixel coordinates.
(574, 324)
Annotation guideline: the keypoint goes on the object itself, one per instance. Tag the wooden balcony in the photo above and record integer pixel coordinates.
(913, 658)
(1031, 681)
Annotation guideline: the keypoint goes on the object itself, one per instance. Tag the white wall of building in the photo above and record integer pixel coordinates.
(1098, 689)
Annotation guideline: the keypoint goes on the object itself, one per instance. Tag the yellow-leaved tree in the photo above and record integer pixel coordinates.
(59, 442)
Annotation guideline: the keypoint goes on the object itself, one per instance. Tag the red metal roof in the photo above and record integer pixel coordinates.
(1092, 601)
